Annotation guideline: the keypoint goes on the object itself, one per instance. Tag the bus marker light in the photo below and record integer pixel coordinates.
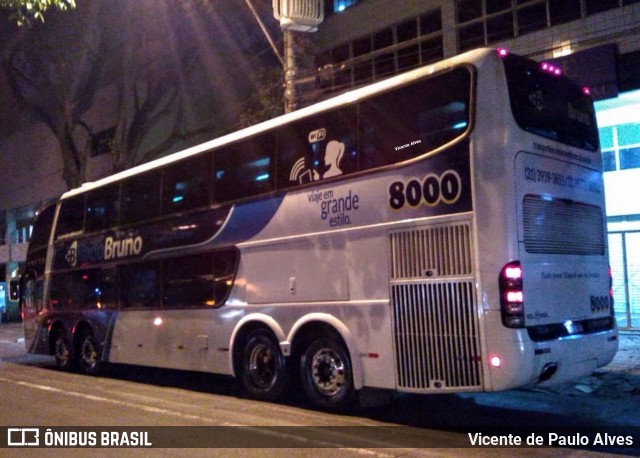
(157, 321)
(496, 361)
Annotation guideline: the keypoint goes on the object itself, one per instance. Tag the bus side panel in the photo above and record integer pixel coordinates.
(177, 339)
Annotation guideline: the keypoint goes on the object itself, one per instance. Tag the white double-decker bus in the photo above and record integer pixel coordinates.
(439, 231)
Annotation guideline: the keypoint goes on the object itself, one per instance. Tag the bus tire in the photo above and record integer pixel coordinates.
(326, 374)
(265, 375)
(62, 351)
(89, 358)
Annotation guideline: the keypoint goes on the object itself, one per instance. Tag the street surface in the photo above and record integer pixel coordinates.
(34, 393)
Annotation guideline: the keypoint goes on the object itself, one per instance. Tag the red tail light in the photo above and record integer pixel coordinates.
(511, 295)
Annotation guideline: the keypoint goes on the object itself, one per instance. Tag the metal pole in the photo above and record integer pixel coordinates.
(290, 90)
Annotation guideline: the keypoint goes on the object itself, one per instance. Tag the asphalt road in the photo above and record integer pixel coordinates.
(34, 393)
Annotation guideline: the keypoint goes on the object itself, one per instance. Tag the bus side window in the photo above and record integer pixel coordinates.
(202, 280)
(320, 147)
(225, 264)
(60, 296)
(71, 216)
(42, 228)
(406, 123)
(186, 185)
(102, 208)
(140, 198)
(85, 289)
(188, 282)
(139, 285)
(245, 169)
(99, 288)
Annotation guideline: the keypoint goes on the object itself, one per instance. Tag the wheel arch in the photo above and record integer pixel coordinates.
(242, 330)
(314, 325)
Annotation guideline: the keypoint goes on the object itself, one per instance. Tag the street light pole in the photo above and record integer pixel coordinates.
(295, 16)
(290, 71)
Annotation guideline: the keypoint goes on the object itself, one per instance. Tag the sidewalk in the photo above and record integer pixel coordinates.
(628, 357)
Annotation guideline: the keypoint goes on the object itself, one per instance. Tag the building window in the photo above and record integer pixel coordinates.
(337, 6)
(531, 18)
(563, 11)
(484, 22)
(620, 147)
(468, 10)
(400, 47)
(598, 6)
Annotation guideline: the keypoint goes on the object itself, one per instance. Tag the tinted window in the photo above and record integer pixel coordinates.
(202, 280)
(244, 169)
(139, 285)
(87, 289)
(42, 227)
(549, 105)
(317, 148)
(189, 282)
(102, 208)
(140, 198)
(405, 123)
(225, 264)
(186, 185)
(71, 217)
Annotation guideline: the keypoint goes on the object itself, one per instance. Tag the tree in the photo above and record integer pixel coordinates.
(167, 64)
(25, 11)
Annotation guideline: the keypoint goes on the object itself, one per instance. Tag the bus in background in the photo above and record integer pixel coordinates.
(439, 231)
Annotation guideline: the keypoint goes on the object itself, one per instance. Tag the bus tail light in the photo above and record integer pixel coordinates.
(511, 295)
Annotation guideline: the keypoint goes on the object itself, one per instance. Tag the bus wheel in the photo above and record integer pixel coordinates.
(327, 378)
(264, 368)
(62, 350)
(88, 354)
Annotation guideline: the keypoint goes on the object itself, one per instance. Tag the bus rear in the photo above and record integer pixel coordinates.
(554, 288)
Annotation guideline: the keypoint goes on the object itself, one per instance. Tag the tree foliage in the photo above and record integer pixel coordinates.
(26, 11)
(167, 68)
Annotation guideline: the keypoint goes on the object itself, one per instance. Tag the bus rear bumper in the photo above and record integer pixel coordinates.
(552, 362)
(574, 356)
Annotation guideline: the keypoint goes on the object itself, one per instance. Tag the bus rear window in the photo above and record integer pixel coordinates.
(549, 105)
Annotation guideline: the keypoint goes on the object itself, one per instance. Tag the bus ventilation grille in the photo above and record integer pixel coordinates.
(436, 336)
(431, 252)
(557, 226)
(434, 308)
